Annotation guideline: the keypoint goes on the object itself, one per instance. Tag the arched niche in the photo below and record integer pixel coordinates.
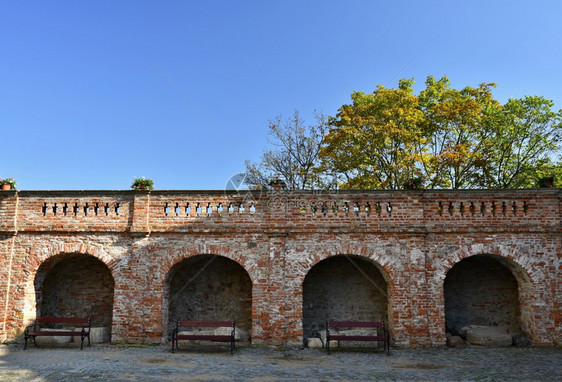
(75, 285)
(483, 290)
(209, 288)
(343, 288)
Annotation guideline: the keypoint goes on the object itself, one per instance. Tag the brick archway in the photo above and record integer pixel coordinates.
(523, 291)
(186, 252)
(344, 288)
(44, 253)
(208, 287)
(75, 285)
(384, 262)
(480, 290)
(388, 260)
(43, 258)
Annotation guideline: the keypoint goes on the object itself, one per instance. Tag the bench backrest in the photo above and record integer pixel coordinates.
(206, 324)
(63, 320)
(355, 324)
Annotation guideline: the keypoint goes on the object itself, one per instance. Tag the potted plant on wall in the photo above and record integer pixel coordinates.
(143, 184)
(545, 181)
(277, 183)
(413, 183)
(8, 184)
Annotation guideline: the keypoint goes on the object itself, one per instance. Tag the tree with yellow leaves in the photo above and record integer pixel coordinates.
(444, 137)
(372, 142)
(458, 127)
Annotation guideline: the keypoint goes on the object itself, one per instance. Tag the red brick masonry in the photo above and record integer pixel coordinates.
(413, 237)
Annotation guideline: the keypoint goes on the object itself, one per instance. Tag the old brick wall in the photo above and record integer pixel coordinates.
(274, 240)
(343, 288)
(480, 290)
(75, 285)
(210, 288)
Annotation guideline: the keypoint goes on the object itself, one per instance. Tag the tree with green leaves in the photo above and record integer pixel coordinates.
(525, 139)
(450, 138)
(458, 129)
(371, 142)
(441, 138)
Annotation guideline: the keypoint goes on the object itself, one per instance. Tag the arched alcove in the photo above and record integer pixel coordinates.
(343, 288)
(75, 285)
(209, 288)
(482, 290)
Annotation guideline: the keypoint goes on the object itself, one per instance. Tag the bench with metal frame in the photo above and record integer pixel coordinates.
(176, 336)
(357, 324)
(34, 331)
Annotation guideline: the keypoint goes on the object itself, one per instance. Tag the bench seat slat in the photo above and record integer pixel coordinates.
(32, 331)
(204, 337)
(62, 320)
(194, 335)
(355, 324)
(52, 333)
(206, 324)
(357, 338)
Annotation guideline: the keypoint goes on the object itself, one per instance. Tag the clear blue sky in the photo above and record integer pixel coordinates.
(84, 103)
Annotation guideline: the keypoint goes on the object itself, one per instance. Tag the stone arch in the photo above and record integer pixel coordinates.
(344, 287)
(75, 285)
(385, 262)
(45, 256)
(47, 252)
(225, 251)
(502, 287)
(208, 287)
(514, 260)
(386, 259)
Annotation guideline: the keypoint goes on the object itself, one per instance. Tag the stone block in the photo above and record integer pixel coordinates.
(100, 334)
(520, 340)
(239, 334)
(455, 342)
(489, 336)
(358, 332)
(314, 343)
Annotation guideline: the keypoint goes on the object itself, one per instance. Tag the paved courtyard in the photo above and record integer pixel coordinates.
(157, 363)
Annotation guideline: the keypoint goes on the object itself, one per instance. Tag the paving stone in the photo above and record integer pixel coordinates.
(215, 363)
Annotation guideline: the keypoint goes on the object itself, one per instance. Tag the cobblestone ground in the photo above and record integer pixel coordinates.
(157, 363)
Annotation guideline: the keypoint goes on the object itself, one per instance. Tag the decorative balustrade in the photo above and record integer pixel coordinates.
(82, 210)
(207, 209)
(318, 209)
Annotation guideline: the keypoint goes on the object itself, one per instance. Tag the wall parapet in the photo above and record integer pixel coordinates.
(413, 238)
(280, 211)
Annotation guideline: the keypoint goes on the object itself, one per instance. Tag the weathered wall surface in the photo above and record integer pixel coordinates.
(78, 286)
(481, 291)
(347, 287)
(411, 239)
(210, 288)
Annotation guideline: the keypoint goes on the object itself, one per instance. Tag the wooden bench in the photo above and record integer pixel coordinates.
(34, 330)
(357, 324)
(176, 336)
